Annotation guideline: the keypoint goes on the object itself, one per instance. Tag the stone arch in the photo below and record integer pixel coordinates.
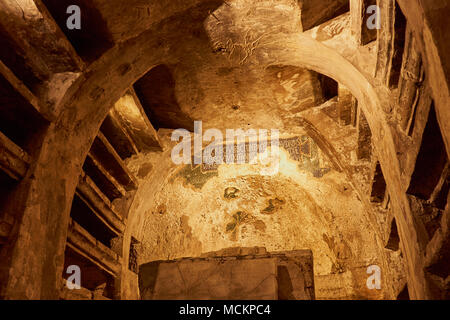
(86, 104)
(306, 52)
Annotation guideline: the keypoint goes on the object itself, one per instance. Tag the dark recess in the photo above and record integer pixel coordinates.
(315, 12)
(19, 121)
(82, 214)
(431, 160)
(399, 45)
(94, 38)
(91, 275)
(378, 185)
(156, 91)
(330, 88)
(367, 35)
(13, 57)
(404, 294)
(394, 239)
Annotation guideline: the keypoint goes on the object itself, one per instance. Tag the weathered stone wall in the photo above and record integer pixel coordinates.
(74, 96)
(231, 274)
(308, 205)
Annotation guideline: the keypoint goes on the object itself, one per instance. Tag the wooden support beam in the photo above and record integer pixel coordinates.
(364, 151)
(94, 37)
(103, 152)
(398, 45)
(359, 18)
(118, 137)
(72, 55)
(22, 116)
(411, 78)
(84, 244)
(314, 13)
(356, 9)
(385, 46)
(141, 129)
(100, 204)
(23, 91)
(103, 179)
(438, 249)
(43, 52)
(13, 160)
(439, 195)
(347, 106)
(431, 160)
(130, 120)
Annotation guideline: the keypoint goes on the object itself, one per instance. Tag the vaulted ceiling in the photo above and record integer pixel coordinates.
(92, 111)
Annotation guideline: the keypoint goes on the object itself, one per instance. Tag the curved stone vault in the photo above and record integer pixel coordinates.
(86, 119)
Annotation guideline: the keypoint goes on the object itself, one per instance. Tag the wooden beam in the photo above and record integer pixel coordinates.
(346, 106)
(411, 78)
(24, 92)
(364, 151)
(79, 240)
(314, 13)
(148, 139)
(442, 180)
(99, 204)
(57, 32)
(118, 137)
(103, 179)
(103, 152)
(45, 50)
(13, 160)
(438, 249)
(359, 18)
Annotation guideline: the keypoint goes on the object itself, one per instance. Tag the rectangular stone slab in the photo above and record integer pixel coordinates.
(215, 279)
